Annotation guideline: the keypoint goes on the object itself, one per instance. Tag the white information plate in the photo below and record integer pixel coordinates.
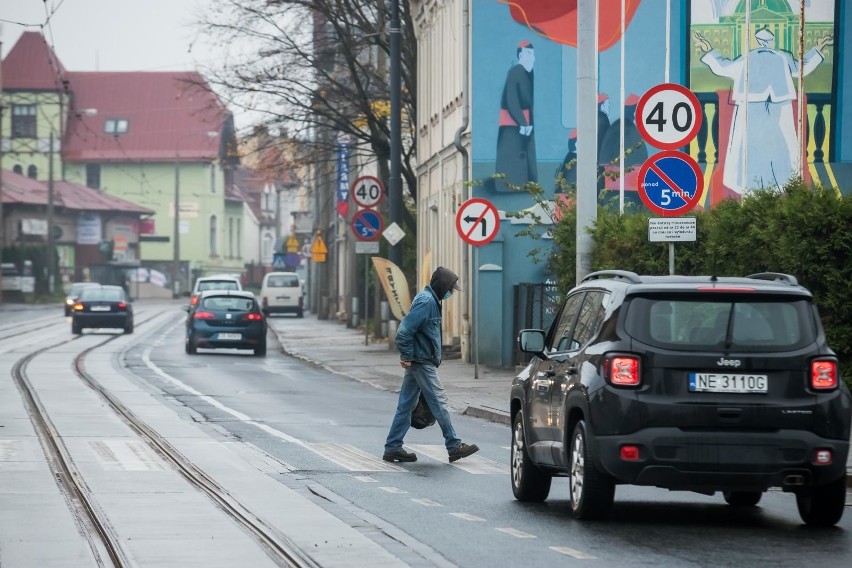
(99, 308)
(366, 247)
(727, 382)
(224, 336)
(671, 229)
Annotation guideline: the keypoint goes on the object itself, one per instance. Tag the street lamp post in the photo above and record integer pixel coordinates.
(176, 227)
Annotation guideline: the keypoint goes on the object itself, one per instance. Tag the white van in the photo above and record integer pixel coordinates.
(281, 292)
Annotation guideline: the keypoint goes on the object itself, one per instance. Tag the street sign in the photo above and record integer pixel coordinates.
(393, 234)
(367, 191)
(366, 247)
(292, 244)
(670, 183)
(668, 116)
(367, 225)
(292, 259)
(477, 221)
(665, 230)
(278, 261)
(318, 249)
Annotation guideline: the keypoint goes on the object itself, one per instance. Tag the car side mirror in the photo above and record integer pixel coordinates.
(532, 341)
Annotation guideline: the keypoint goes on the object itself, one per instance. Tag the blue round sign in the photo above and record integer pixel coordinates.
(670, 183)
(367, 225)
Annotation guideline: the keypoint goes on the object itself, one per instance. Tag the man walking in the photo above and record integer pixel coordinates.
(419, 342)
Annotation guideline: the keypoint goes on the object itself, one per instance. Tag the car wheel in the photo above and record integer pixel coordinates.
(823, 506)
(260, 349)
(529, 483)
(128, 328)
(742, 498)
(75, 328)
(592, 492)
(190, 347)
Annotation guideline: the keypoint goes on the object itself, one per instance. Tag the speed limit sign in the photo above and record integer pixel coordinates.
(367, 191)
(668, 116)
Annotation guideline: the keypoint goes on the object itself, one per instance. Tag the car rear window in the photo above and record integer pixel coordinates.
(102, 294)
(227, 303)
(282, 281)
(741, 324)
(218, 285)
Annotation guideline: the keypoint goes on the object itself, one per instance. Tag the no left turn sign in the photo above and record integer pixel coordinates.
(477, 221)
(668, 116)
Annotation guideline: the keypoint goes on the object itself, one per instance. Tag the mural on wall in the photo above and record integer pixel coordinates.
(515, 138)
(746, 77)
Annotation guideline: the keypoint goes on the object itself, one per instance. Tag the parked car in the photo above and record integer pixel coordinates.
(225, 319)
(73, 294)
(205, 283)
(697, 383)
(281, 293)
(102, 306)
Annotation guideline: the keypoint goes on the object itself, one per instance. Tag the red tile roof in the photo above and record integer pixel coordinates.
(169, 115)
(18, 189)
(32, 65)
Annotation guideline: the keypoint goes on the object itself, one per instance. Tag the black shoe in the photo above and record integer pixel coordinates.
(463, 451)
(400, 455)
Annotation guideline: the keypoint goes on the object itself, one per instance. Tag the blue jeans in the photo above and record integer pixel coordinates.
(421, 377)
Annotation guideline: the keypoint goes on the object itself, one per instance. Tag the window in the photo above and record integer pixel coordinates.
(214, 227)
(266, 247)
(32, 172)
(561, 340)
(590, 319)
(23, 121)
(212, 177)
(230, 237)
(18, 169)
(239, 239)
(116, 126)
(93, 176)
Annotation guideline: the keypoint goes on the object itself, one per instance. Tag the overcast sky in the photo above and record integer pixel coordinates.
(111, 35)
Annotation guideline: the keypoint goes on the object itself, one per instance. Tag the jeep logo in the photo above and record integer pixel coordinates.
(729, 362)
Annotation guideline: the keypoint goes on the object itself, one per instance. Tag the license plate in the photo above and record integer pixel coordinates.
(727, 382)
(230, 336)
(100, 308)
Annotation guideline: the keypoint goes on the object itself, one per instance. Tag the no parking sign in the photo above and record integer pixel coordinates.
(670, 183)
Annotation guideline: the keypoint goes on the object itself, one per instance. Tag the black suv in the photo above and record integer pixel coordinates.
(697, 383)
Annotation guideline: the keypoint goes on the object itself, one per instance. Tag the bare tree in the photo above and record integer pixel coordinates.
(311, 66)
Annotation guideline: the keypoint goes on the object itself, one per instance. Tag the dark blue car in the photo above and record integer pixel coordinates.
(226, 319)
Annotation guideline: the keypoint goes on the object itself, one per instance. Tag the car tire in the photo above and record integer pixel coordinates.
(190, 348)
(742, 498)
(529, 483)
(75, 328)
(128, 328)
(823, 506)
(591, 492)
(260, 349)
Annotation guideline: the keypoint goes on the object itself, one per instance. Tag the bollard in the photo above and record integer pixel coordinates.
(392, 325)
(385, 314)
(354, 319)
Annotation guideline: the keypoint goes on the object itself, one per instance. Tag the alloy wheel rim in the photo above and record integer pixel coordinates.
(577, 469)
(517, 454)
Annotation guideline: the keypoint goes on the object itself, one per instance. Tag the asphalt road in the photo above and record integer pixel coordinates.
(326, 434)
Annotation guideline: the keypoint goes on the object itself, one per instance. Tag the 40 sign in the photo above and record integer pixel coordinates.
(668, 116)
(670, 183)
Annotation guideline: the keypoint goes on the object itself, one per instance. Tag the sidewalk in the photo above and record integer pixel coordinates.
(340, 349)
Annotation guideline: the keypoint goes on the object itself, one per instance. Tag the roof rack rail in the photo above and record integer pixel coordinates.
(624, 274)
(775, 277)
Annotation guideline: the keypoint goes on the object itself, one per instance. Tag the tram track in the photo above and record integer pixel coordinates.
(92, 522)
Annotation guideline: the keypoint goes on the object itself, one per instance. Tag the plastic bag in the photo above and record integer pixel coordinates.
(421, 416)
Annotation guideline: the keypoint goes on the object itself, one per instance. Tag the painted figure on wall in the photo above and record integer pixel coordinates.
(516, 158)
(770, 155)
(566, 173)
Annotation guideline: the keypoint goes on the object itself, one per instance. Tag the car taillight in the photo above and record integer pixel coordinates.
(629, 452)
(623, 370)
(823, 457)
(203, 315)
(823, 374)
(78, 307)
(193, 300)
(121, 305)
(253, 317)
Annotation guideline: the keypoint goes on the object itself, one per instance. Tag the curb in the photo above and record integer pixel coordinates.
(488, 414)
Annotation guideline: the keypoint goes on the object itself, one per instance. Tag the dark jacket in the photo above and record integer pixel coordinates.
(419, 335)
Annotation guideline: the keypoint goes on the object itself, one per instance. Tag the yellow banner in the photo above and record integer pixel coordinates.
(395, 285)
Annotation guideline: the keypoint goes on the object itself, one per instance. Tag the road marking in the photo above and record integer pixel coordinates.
(427, 502)
(366, 479)
(474, 464)
(516, 533)
(350, 457)
(393, 490)
(573, 552)
(468, 517)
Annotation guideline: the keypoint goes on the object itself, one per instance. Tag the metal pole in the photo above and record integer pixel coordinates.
(465, 189)
(2, 221)
(366, 291)
(395, 186)
(176, 230)
(671, 258)
(475, 303)
(50, 243)
(587, 152)
(801, 109)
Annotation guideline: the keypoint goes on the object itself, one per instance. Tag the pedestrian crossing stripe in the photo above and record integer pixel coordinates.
(474, 464)
(352, 458)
